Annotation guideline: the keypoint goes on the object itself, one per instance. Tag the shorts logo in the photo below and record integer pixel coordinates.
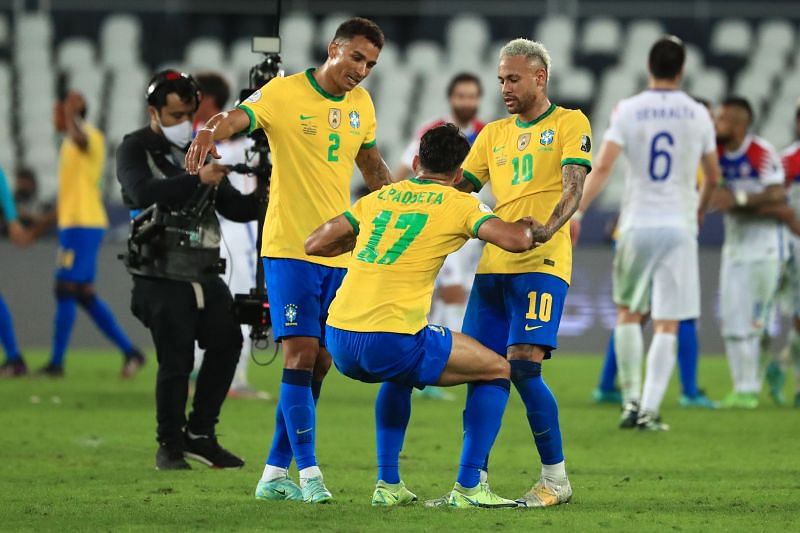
(523, 141)
(531, 328)
(586, 144)
(547, 137)
(355, 120)
(290, 313)
(334, 117)
(437, 329)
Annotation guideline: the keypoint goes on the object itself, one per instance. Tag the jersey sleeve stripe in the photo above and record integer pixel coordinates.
(370, 144)
(352, 220)
(577, 161)
(251, 115)
(480, 222)
(473, 180)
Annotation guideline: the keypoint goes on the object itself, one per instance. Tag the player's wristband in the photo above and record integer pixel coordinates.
(577, 216)
(741, 198)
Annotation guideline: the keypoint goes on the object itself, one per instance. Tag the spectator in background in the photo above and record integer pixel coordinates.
(239, 239)
(81, 225)
(33, 213)
(14, 365)
(464, 95)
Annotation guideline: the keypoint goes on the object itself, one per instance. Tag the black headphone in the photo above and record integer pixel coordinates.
(167, 76)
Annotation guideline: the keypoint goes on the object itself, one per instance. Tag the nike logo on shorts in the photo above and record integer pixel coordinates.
(531, 328)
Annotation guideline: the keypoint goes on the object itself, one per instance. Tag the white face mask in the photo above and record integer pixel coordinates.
(180, 134)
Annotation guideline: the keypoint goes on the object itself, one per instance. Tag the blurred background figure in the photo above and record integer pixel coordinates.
(464, 97)
(81, 225)
(238, 239)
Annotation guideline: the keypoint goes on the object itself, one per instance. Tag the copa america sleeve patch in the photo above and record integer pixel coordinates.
(255, 97)
(586, 144)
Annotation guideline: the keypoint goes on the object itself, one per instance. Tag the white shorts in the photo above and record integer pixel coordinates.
(656, 271)
(747, 295)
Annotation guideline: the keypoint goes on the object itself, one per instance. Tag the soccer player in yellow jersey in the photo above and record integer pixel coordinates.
(377, 327)
(319, 124)
(81, 224)
(536, 161)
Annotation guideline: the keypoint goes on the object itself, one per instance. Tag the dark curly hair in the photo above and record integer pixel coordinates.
(360, 26)
(442, 149)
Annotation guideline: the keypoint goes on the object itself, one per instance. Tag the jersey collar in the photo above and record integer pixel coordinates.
(319, 89)
(420, 181)
(538, 119)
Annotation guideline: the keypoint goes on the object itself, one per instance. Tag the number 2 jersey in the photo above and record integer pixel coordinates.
(405, 232)
(663, 134)
(523, 161)
(314, 137)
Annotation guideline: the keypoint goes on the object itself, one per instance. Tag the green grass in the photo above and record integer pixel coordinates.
(78, 454)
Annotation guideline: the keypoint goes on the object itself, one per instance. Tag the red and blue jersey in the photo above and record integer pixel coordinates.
(755, 161)
(791, 163)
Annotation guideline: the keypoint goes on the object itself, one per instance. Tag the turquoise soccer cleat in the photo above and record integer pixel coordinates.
(607, 396)
(701, 401)
(282, 488)
(314, 491)
(776, 378)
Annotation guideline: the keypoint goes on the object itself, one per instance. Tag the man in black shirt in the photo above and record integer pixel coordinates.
(184, 304)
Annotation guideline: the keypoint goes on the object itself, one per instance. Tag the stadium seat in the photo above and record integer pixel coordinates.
(709, 83)
(640, 37)
(33, 29)
(601, 36)
(120, 38)
(4, 31)
(423, 57)
(467, 37)
(557, 33)
(731, 37)
(776, 35)
(327, 28)
(694, 60)
(204, 53)
(76, 53)
(577, 88)
(297, 41)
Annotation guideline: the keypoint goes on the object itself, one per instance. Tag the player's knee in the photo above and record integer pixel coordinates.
(64, 290)
(666, 326)
(626, 316)
(322, 366)
(498, 369)
(300, 355)
(85, 294)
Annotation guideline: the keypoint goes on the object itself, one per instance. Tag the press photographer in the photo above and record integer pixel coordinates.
(173, 255)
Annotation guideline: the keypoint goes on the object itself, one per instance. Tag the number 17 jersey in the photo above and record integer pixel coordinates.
(663, 134)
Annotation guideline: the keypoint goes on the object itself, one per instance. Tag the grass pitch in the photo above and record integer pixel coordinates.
(78, 454)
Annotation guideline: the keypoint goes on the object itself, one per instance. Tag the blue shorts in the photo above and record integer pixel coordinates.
(415, 360)
(77, 254)
(508, 309)
(300, 293)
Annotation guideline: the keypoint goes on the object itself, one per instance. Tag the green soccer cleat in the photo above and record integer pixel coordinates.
(776, 378)
(392, 494)
(613, 397)
(282, 488)
(740, 400)
(701, 401)
(314, 491)
(478, 496)
(547, 493)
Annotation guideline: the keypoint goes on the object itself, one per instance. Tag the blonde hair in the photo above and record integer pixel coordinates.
(530, 49)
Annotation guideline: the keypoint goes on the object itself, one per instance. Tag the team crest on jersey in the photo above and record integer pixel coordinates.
(586, 144)
(334, 117)
(546, 137)
(355, 120)
(290, 313)
(523, 141)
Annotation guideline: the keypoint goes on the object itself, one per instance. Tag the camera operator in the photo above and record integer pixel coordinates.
(177, 293)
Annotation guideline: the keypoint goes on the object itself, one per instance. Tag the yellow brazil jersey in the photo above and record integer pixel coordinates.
(314, 137)
(80, 182)
(405, 232)
(523, 161)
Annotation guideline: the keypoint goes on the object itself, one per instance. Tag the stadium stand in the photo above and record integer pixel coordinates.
(597, 61)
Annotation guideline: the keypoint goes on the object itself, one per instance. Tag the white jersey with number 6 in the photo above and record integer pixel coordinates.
(663, 134)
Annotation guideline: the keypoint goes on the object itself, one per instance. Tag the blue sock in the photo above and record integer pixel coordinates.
(470, 390)
(542, 409)
(66, 308)
(609, 372)
(7, 337)
(392, 412)
(482, 418)
(299, 415)
(687, 357)
(104, 319)
(280, 454)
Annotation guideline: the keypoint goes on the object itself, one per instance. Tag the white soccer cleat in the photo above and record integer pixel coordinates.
(547, 493)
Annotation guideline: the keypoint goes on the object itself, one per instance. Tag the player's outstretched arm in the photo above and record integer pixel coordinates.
(514, 237)
(221, 126)
(373, 168)
(335, 237)
(573, 177)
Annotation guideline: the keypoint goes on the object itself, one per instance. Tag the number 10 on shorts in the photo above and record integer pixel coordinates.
(539, 306)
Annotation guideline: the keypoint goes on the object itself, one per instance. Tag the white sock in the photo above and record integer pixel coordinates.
(273, 472)
(751, 376)
(736, 350)
(309, 473)
(556, 472)
(629, 346)
(484, 476)
(660, 363)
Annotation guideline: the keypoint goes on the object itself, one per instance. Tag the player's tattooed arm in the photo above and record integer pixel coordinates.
(572, 179)
(374, 169)
(336, 237)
